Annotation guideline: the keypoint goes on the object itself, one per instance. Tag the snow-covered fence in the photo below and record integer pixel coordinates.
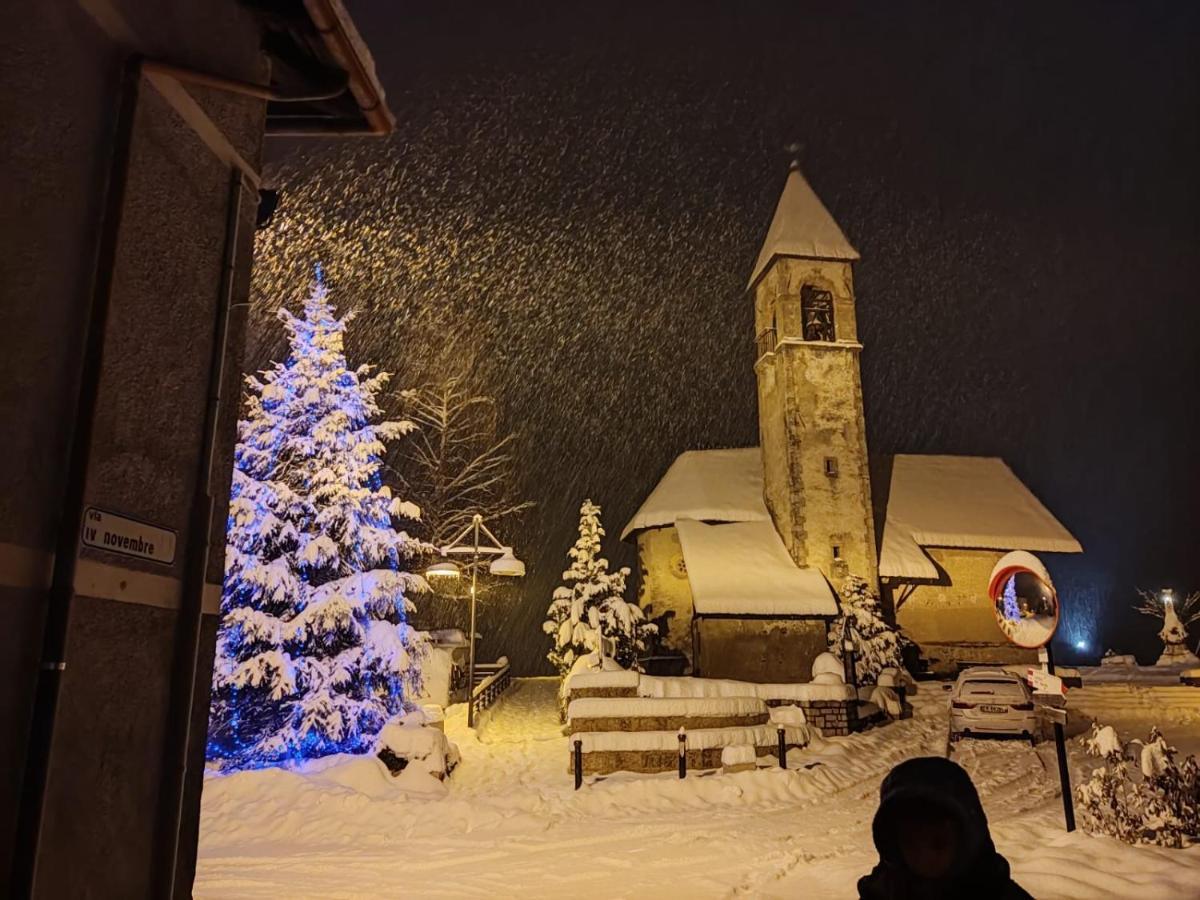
(497, 680)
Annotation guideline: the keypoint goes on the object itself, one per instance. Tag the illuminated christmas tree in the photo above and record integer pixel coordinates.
(314, 653)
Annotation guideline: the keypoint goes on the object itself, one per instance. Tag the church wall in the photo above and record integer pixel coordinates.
(760, 650)
(664, 585)
(952, 620)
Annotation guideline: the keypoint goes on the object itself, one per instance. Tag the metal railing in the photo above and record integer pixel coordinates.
(765, 343)
(496, 680)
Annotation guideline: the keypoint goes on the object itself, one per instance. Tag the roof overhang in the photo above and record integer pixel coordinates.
(323, 77)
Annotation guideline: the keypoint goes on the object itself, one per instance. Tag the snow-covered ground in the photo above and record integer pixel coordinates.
(508, 823)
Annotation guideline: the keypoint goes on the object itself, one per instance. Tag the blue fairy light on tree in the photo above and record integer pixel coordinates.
(314, 650)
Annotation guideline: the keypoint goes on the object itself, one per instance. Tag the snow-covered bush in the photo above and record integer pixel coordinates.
(591, 605)
(877, 643)
(314, 652)
(1156, 803)
(411, 743)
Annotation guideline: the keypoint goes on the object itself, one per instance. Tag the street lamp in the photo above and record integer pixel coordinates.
(505, 564)
(1168, 596)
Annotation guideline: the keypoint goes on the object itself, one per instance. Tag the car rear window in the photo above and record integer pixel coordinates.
(992, 687)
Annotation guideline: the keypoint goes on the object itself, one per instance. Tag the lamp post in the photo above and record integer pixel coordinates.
(505, 564)
(849, 646)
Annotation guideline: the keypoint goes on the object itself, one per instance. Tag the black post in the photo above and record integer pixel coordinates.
(1060, 749)
(578, 763)
(682, 753)
(782, 748)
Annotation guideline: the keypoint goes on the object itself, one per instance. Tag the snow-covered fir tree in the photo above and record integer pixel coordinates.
(591, 604)
(314, 653)
(877, 643)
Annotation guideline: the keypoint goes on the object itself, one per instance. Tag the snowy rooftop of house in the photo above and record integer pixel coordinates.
(707, 485)
(802, 227)
(962, 501)
(742, 568)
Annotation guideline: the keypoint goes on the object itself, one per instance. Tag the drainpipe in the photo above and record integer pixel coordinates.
(58, 610)
(196, 560)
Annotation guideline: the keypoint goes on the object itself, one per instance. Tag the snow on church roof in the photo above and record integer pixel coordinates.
(802, 226)
(708, 485)
(962, 501)
(742, 568)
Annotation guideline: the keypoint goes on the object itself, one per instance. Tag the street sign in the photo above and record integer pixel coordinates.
(1045, 683)
(115, 533)
(1055, 714)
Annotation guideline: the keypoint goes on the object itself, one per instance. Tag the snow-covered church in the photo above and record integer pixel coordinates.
(743, 548)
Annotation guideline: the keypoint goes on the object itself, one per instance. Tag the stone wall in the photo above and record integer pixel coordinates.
(831, 716)
(762, 650)
(664, 585)
(953, 621)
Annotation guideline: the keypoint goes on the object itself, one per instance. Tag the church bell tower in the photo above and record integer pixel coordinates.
(810, 409)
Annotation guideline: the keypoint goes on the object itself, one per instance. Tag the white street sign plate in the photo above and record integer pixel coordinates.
(1044, 682)
(128, 537)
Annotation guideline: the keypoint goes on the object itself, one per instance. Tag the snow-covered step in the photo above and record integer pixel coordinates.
(641, 714)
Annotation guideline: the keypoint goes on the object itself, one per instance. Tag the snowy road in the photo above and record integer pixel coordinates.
(510, 824)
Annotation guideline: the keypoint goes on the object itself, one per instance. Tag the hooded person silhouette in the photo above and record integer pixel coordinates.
(933, 841)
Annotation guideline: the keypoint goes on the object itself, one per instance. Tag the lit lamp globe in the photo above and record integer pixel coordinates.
(443, 569)
(507, 565)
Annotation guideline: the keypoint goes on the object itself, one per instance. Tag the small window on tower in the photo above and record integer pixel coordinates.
(831, 468)
(837, 551)
(816, 314)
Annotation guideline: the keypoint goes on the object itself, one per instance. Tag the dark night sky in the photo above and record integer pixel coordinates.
(582, 188)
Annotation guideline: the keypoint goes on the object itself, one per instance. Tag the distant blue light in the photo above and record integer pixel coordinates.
(1081, 645)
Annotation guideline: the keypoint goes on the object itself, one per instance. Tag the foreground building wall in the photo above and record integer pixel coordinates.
(663, 586)
(763, 650)
(952, 620)
(63, 80)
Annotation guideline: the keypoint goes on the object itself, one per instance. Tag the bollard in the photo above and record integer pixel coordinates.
(782, 748)
(682, 752)
(578, 763)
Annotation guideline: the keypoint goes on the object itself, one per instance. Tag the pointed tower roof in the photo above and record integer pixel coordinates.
(802, 227)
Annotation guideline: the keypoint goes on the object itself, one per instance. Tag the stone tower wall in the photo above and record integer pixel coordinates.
(810, 410)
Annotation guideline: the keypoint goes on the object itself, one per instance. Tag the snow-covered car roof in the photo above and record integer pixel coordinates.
(708, 486)
(961, 501)
(742, 568)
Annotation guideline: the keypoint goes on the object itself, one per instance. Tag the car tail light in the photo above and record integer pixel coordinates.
(962, 704)
(1023, 707)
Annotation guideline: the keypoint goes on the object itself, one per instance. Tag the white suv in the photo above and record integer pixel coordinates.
(991, 701)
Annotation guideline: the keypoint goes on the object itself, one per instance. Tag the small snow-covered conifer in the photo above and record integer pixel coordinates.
(591, 604)
(877, 643)
(314, 652)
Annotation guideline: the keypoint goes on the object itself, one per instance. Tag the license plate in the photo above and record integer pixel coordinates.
(994, 709)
